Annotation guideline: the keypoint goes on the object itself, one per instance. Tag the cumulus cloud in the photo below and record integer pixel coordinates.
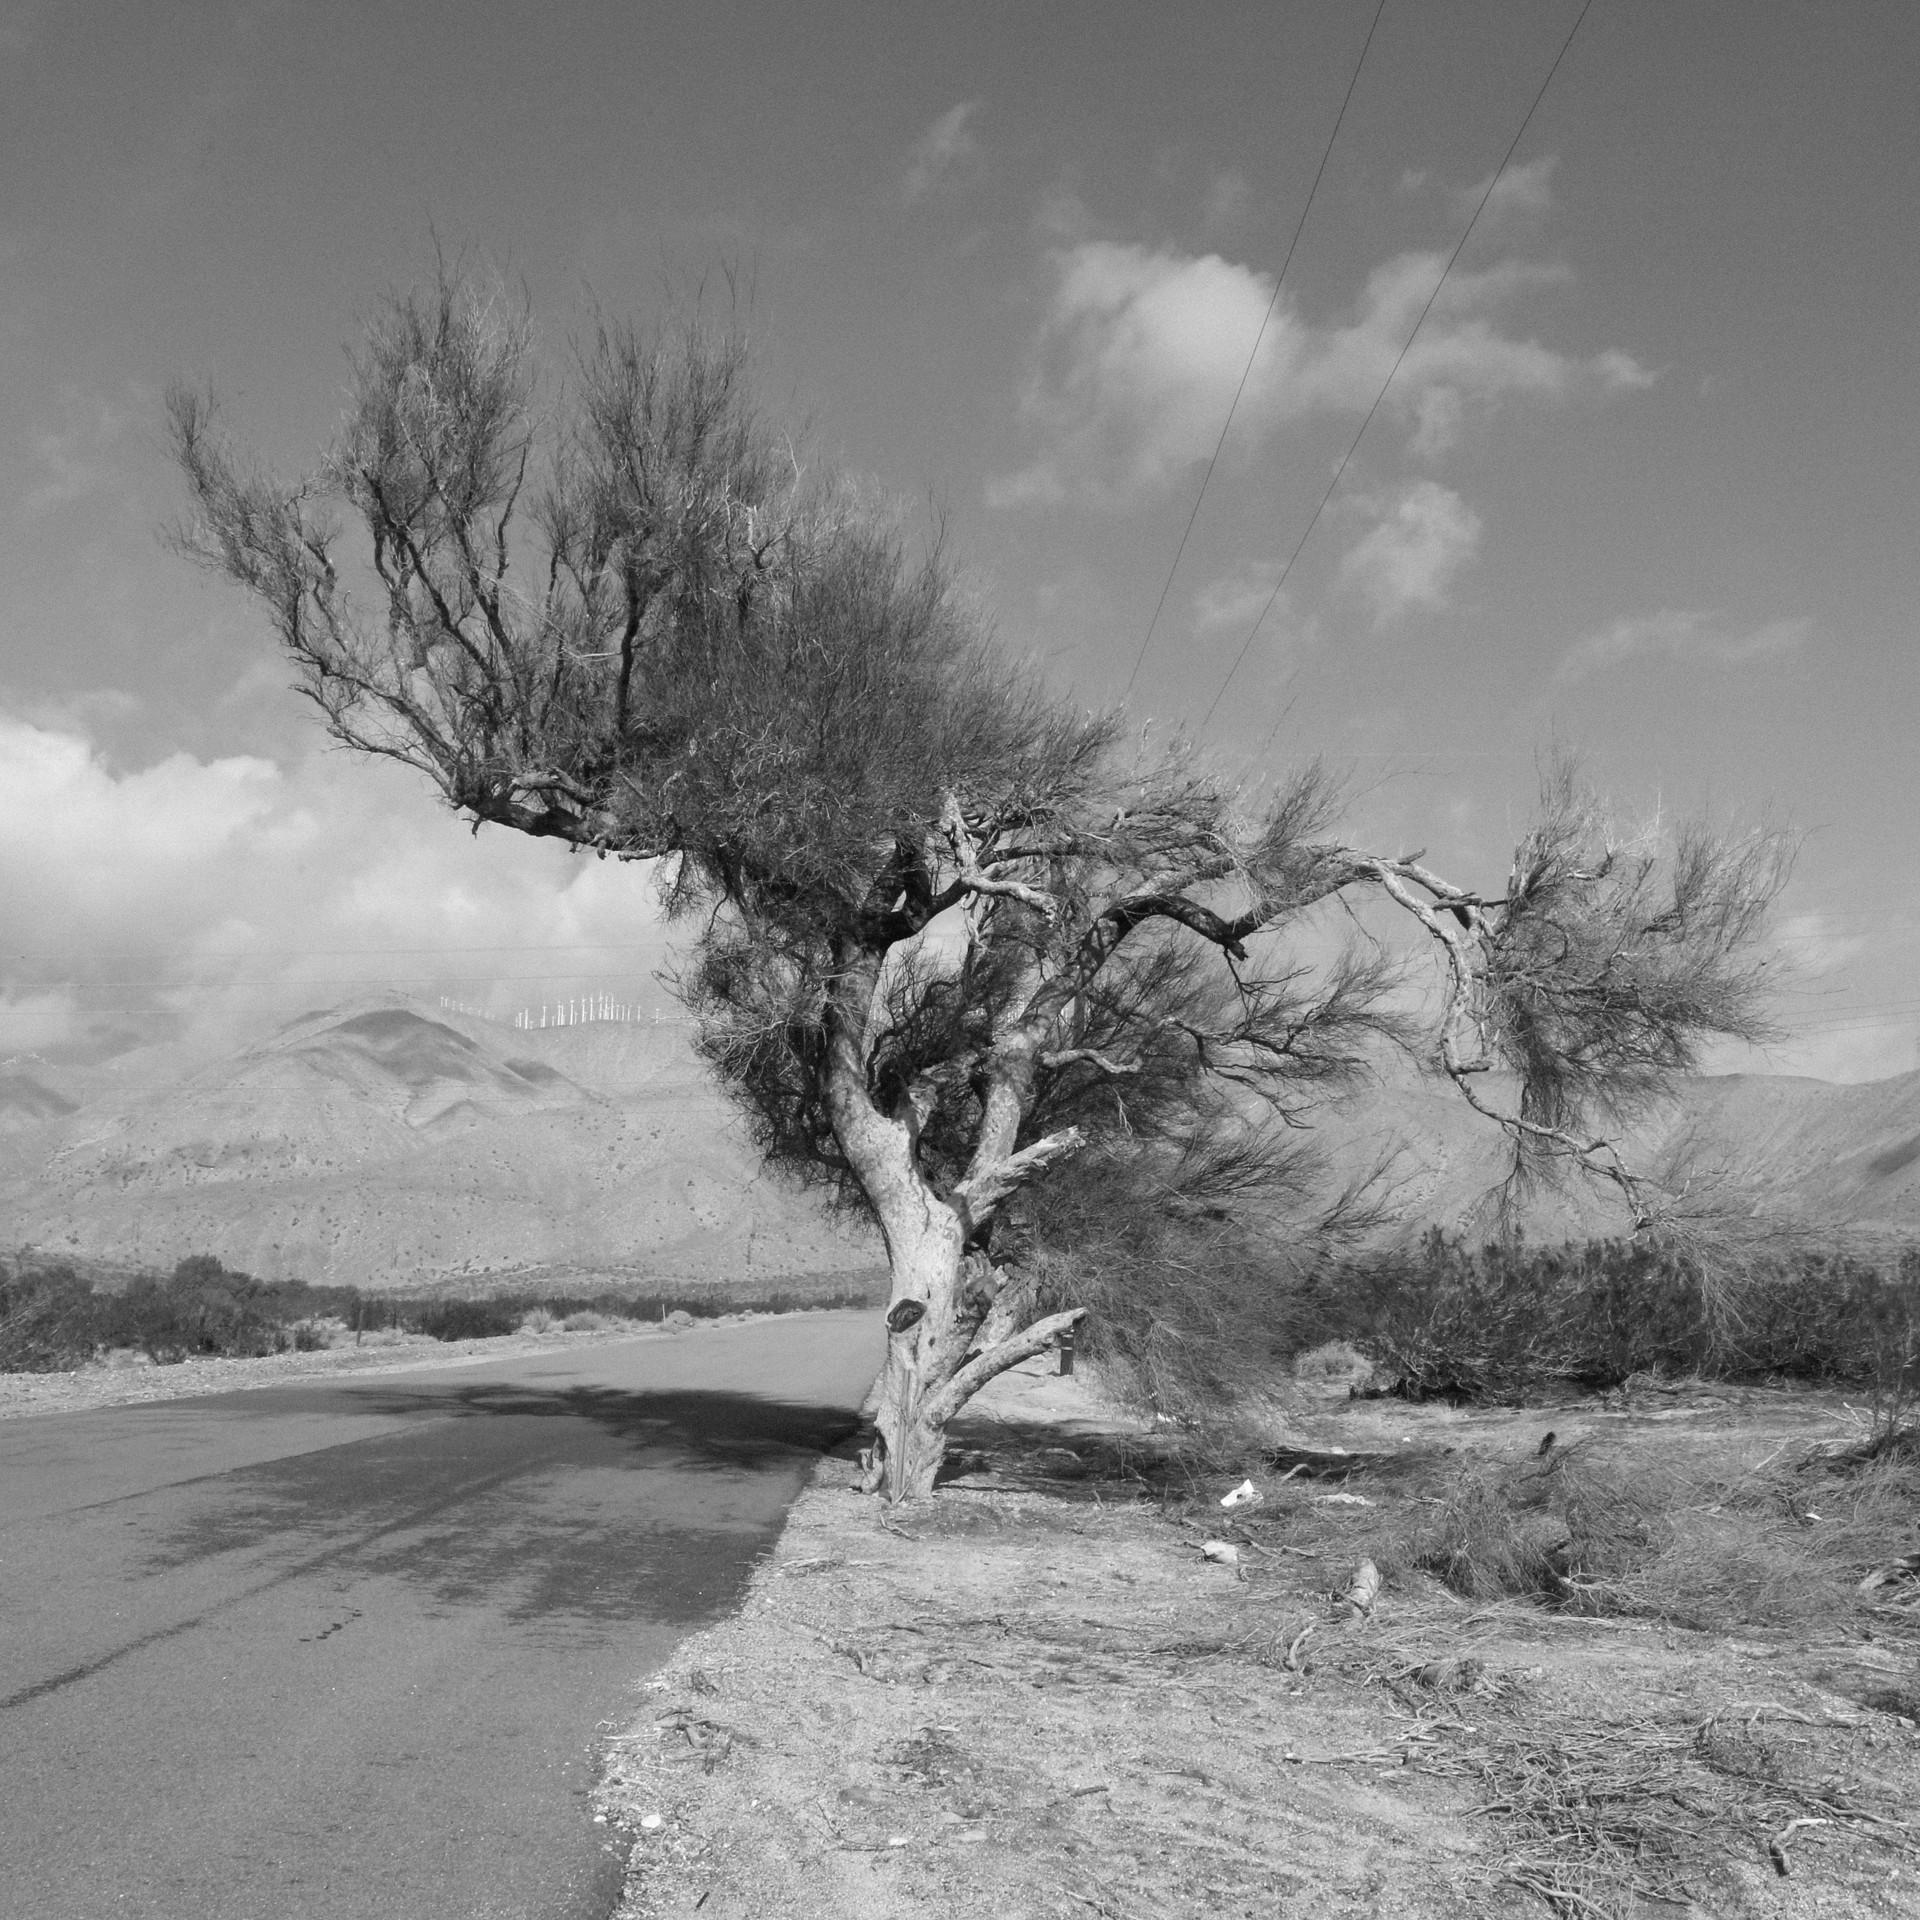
(946, 152)
(1413, 551)
(1138, 359)
(1707, 637)
(1519, 191)
(147, 902)
(1140, 350)
(1236, 600)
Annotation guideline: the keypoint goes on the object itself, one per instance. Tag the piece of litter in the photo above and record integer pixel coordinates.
(1244, 1495)
(1224, 1551)
(1341, 1500)
(896, 1839)
(650, 1821)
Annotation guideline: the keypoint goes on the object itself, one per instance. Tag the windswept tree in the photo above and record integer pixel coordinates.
(955, 938)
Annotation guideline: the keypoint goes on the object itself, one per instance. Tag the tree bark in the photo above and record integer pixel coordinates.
(937, 1358)
(927, 1269)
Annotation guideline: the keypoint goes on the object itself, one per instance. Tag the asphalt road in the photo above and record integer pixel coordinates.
(339, 1651)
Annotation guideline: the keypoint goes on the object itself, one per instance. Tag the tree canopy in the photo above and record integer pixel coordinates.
(953, 934)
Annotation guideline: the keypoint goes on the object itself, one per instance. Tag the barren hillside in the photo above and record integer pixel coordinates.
(387, 1145)
(381, 1145)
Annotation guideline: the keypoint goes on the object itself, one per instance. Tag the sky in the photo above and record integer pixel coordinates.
(1642, 487)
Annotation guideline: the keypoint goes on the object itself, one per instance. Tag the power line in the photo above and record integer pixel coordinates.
(1246, 373)
(1340, 471)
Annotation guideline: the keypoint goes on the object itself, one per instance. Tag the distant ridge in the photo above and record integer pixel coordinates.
(385, 1144)
(1841, 1158)
(379, 1144)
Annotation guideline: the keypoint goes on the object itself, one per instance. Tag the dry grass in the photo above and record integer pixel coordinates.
(1689, 1536)
(1597, 1818)
(1032, 1696)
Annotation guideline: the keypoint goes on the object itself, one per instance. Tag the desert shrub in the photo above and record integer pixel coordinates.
(207, 1309)
(1193, 1288)
(1730, 1570)
(538, 1320)
(1701, 1543)
(1332, 1360)
(464, 1319)
(1483, 1542)
(1505, 1321)
(309, 1338)
(49, 1320)
(588, 1321)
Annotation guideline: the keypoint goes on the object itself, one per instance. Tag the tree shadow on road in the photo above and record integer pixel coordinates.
(580, 1504)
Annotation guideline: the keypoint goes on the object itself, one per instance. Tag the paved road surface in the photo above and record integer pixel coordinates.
(338, 1651)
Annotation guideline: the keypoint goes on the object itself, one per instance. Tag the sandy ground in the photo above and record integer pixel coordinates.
(1034, 1696)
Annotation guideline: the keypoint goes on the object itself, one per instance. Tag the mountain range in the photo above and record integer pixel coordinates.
(383, 1145)
(387, 1145)
(1841, 1160)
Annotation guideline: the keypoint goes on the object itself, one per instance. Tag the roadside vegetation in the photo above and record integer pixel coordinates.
(1512, 1321)
(54, 1319)
(1651, 1648)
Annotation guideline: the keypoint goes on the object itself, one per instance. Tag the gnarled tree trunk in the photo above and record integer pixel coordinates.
(937, 1358)
(952, 1325)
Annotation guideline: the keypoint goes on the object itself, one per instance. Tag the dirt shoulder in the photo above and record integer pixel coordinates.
(1034, 1696)
(129, 1380)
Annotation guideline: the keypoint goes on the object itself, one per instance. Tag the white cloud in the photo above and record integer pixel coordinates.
(1139, 356)
(943, 154)
(1141, 349)
(1520, 190)
(1236, 600)
(1680, 636)
(1814, 945)
(1411, 555)
(182, 892)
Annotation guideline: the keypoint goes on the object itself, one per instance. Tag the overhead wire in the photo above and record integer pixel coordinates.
(1246, 373)
(1339, 473)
